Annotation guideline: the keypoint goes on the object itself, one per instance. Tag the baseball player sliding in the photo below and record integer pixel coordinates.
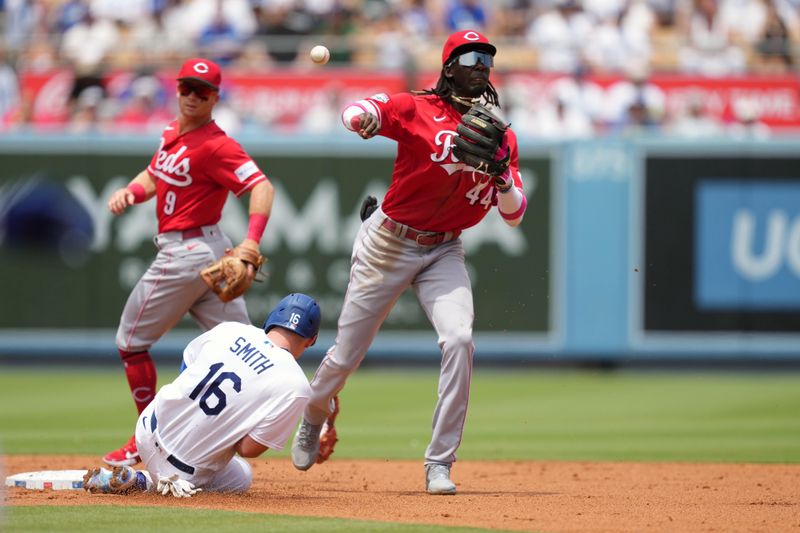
(455, 161)
(190, 174)
(240, 391)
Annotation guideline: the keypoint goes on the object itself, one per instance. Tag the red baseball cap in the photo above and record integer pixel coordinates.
(465, 40)
(202, 70)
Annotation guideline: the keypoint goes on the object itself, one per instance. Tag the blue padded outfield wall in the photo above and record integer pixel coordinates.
(630, 250)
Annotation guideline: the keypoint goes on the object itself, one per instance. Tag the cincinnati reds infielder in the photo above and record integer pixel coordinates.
(413, 241)
(240, 392)
(191, 173)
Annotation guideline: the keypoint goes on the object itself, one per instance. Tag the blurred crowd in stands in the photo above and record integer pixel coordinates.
(571, 43)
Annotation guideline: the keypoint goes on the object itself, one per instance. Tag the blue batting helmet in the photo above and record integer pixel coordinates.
(298, 313)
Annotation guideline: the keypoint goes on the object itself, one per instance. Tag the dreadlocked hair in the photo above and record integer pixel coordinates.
(445, 89)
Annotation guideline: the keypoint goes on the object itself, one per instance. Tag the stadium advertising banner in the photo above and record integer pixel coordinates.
(722, 244)
(71, 264)
(309, 101)
(747, 244)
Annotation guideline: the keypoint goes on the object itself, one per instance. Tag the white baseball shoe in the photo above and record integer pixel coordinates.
(437, 479)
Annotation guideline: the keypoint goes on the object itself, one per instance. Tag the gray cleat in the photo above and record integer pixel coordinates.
(437, 479)
(305, 448)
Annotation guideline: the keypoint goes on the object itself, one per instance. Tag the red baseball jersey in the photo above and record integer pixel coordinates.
(431, 189)
(194, 173)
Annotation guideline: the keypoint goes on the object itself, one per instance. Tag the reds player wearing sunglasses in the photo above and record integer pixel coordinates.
(412, 240)
(191, 173)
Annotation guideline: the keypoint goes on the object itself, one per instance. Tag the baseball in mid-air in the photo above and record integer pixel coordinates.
(320, 54)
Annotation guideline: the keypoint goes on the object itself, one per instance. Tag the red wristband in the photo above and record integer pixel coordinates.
(519, 212)
(139, 195)
(255, 229)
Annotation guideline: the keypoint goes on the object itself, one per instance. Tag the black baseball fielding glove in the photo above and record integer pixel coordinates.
(368, 206)
(480, 134)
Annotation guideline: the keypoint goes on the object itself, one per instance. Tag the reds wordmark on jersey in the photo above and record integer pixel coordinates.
(438, 193)
(194, 173)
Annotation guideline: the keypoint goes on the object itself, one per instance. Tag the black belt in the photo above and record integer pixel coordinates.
(174, 461)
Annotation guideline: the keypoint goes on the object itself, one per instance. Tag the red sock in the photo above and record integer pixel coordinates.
(141, 373)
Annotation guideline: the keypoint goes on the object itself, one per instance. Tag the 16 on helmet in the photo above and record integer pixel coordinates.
(298, 313)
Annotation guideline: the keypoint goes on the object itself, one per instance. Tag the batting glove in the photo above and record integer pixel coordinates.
(180, 488)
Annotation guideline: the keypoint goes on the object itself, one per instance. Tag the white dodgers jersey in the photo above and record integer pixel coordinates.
(236, 383)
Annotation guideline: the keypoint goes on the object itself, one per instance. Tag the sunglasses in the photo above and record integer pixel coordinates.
(203, 92)
(470, 59)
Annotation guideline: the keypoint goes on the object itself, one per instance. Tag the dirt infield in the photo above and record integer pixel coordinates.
(522, 496)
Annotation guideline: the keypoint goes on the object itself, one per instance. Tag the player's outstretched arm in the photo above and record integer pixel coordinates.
(140, 189)
(357, 118)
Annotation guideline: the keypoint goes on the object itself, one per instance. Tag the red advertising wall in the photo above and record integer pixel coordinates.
(280, 99)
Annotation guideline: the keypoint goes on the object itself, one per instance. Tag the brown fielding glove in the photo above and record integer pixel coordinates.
(480, 134)
(328, 437)
(228, 277)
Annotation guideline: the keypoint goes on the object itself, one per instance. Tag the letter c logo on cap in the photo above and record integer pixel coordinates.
(202, 68)
(472, 36)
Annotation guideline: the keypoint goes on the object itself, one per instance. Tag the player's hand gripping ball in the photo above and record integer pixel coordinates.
(320, 54)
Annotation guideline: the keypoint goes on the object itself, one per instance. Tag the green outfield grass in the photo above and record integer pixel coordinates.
(520, 415)
(40, 519)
